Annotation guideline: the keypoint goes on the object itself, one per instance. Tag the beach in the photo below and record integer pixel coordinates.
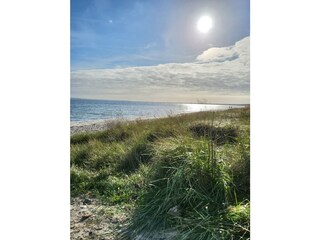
(82, 127)
(101, 125)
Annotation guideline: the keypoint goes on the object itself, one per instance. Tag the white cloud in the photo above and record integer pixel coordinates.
(217, 73)
(240, 49)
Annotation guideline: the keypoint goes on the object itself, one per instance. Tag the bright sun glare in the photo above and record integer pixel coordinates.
(204, 24)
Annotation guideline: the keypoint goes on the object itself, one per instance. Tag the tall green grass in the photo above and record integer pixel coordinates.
(187, 176)
(190, 194)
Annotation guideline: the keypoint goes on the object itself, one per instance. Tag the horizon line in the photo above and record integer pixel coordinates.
(125, 100)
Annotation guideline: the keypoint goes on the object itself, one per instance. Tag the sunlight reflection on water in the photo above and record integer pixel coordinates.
(205, 107)
(83, 110)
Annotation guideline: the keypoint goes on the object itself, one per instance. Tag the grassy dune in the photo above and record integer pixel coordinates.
(185, 176)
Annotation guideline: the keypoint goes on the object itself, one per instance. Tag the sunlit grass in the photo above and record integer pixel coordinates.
(187, 175)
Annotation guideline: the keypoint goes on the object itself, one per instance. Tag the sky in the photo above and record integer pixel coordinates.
(153, 51)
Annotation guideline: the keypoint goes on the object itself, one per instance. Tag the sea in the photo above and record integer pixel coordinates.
(87, 110)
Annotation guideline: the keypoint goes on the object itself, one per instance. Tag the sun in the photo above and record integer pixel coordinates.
(204, 24)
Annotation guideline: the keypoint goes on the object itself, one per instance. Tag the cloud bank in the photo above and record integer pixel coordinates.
(218, 75)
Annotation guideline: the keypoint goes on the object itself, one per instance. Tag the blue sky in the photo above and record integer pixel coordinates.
(111, 36)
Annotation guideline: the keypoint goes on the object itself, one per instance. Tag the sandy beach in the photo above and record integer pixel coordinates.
(92, 126)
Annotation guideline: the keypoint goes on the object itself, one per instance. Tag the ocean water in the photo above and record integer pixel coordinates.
(84, 110)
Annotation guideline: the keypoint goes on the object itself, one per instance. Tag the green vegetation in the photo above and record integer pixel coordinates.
(185, 176)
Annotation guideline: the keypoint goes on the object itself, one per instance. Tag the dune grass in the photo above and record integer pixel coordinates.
(185, 177)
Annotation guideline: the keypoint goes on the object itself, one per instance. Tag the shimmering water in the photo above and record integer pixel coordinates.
(84, 110)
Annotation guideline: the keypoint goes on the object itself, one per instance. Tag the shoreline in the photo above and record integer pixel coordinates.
(100, 125)
(94, 126)
(104, 124)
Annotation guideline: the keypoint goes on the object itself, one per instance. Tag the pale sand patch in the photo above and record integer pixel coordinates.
(92, 220)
